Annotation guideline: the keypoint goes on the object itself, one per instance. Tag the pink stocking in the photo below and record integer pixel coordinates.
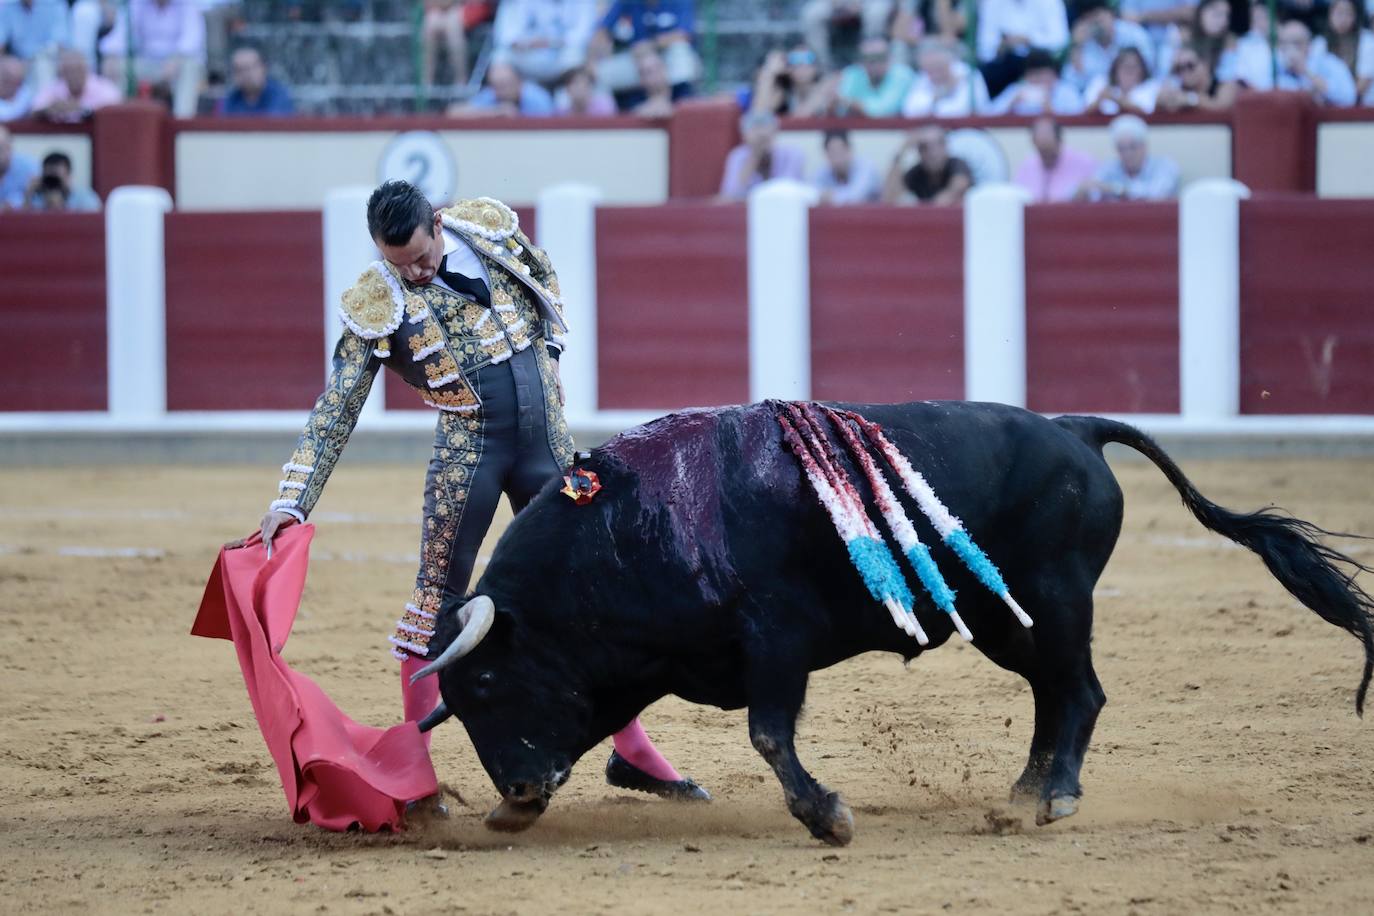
(635, 746)
(418, 700)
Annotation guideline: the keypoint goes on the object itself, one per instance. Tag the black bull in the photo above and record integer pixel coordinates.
(707, 568)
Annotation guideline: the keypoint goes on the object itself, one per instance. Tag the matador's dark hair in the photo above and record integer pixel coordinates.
(394, 211)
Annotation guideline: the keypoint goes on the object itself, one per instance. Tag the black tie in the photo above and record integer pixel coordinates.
(472, 286)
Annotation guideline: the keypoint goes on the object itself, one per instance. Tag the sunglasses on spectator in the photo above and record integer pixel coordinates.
(800, 58)
(1184, 66)
(874, 58)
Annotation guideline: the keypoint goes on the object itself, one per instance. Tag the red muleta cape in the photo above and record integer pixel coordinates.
(337, 774)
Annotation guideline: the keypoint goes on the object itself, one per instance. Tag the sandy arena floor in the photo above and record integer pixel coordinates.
(1228, 773)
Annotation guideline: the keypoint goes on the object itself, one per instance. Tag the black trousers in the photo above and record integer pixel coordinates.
(503, 449)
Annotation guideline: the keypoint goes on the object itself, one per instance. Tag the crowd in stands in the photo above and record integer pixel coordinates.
(901, 58)
(61, 60)
(925, 171)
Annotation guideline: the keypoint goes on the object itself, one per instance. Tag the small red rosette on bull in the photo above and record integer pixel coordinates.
(581, 485)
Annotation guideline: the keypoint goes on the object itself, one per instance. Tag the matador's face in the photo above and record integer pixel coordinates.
(418, 260)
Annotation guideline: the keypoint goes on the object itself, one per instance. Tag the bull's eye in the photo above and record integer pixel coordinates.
(484, 682)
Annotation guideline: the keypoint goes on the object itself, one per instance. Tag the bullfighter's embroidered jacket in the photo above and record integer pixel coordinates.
(435, 340)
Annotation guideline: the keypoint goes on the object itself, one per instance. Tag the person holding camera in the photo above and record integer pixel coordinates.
(51, 190)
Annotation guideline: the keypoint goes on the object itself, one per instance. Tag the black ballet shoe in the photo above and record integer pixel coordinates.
(625, 775)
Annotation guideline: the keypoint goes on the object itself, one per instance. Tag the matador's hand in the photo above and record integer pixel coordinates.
(271, 523)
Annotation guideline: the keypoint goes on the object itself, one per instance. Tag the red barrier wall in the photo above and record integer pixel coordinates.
(52, 304)
(672, 306)
(1307, 306)
(399, 395)
(887, 304)
(1102, 308)
(245, 299)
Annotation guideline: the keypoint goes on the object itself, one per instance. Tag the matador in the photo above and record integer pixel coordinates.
(465, 310)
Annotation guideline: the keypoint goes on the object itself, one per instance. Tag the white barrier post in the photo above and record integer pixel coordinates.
(348, 249)
(995, 294)
(780, 290)
(136, 302)
(565, 220)
(1209, 299)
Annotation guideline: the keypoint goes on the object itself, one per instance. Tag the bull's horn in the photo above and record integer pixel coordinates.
(438, 715)
(476, 618)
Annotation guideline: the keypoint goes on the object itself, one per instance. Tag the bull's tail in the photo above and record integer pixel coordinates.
(1319, 576)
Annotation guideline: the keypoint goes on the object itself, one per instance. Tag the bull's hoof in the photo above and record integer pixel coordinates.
(624, 775)
(513, 816)
(836, 825)
(1024, 793)
(1056, 808)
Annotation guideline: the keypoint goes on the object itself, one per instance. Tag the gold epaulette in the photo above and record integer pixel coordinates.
(374, 306)
(482, 216)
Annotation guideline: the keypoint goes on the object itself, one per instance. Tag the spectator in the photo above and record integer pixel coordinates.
(759, 158)
(90, 20)
(1126, 87)
(1054, 172)
(76, 92)
(667, 25)
(792, 84)
(1040, 91)
(874, 86)
(168, 39)
(653, 86)
(223, 19)
(507, 94)
(254, 93)
(1302, 68)
(916, 21)
(543, 39)
(17, 171)
(654, 98)
(579, 95)
(1346, 39)
(1310, 13)
(16, 97)
(1210, 34)
(1252, 48)
(1192, 86)
(52, 190)
(938, 178)
(1134, 174)
(820, 18)
(944, 86)
(845, 178)
(34, 30)
(1161, 18)
(444, 27)
(1009, 30)
(1098, 40)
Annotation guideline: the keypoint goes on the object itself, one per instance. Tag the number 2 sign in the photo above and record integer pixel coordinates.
(422, 158)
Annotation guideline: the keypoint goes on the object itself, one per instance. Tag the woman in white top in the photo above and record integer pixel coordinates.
(1347, 40)
(942, 86)
(1126, 89)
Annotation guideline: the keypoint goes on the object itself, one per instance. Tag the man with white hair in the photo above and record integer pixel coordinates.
(1134, 174)
(944, 87)
(76, 93)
